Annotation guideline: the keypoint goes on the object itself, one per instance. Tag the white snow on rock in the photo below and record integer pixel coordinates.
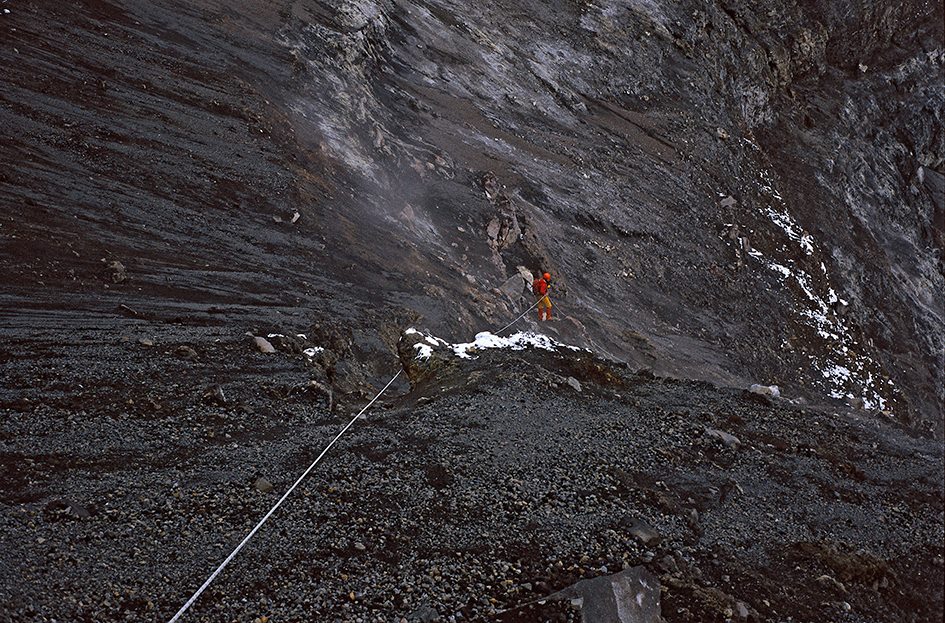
(424, 351)
(786, 222)
(486, 340)
(516, 341)
(311, 352)
(846, 369)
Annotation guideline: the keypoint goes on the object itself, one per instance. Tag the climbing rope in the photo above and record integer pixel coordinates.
(277, 505)
(285, 495)
(520, 317)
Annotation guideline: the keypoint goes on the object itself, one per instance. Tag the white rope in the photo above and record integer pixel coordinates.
(285, 495)
(277, 505)
(519, 318)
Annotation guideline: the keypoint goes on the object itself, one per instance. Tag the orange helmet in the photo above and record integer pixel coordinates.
(546, 276)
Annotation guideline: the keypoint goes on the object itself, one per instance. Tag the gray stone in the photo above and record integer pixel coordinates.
(631, 596)
(573, 382)
(186, 351)
(262, 485)
(118, 272)
(765, 390)
(643, 531)
(730, 441)
(264, 345)
(513, 287)
(424, 614)
(728, 202)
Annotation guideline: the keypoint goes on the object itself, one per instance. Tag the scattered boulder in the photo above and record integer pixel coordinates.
(631, 596)
(772, 391)
(68, 508)
(117, 272)
(214, 396)
(642, 530)
(828, 581)
(513, 287)
(729, 202)
(264, 345)
(574, 383)
(424, 614)
(186, 352)
(262, 485)
(146, 342)
(730, 441)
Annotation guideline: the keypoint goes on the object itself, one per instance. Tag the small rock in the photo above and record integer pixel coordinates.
(360, 546)
(186, 351)
(574, 383)
(729, 202)
(69, 508)
(264, 345)
(765, 390)
(215, 395)
(730, 441)
(831, 582)
(118, 272)
(643, 531)
(741, 610)
(262, 485)
(424, 614)
(146, 342)
(721, 133)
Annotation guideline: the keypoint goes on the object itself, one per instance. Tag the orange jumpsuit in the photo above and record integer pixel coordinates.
(540, 288)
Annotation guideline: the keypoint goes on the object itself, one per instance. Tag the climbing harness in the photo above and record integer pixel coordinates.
(285, 495)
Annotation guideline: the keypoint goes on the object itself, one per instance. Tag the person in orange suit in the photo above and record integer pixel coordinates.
(540, 288)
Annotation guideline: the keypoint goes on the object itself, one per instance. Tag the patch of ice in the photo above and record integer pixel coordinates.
(311, 352)
(301, 335)
(276, 335)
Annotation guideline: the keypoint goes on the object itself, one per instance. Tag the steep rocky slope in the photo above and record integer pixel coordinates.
(721, 193)
(492, 483)
(725, 195)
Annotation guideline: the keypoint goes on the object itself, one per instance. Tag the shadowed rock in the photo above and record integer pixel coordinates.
(631, 596)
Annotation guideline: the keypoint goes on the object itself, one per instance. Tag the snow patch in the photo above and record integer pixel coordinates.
(484, 341)
(311, 352)
(516, 341)
(424, 351)
(846, 369)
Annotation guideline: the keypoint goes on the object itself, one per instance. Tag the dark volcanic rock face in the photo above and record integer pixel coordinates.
(217, 219)
(371, 161)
